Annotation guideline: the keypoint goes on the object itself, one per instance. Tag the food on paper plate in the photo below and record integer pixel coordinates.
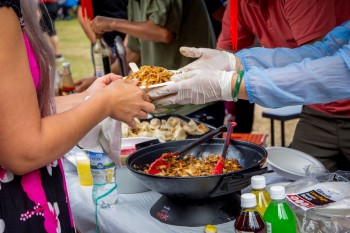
(191, 166)
(173, 128)
(151, 75)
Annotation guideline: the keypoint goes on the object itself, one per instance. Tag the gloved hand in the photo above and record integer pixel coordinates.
(208, 59)
(194, 87)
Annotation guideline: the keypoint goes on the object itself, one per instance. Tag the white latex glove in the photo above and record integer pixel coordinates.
(194, 87)
(208, 59)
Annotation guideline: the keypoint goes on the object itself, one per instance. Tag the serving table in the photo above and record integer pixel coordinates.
(131, 213)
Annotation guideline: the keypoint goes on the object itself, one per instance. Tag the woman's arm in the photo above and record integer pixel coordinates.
(28, 141)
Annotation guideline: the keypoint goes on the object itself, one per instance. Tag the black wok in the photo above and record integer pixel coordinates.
(250, 156)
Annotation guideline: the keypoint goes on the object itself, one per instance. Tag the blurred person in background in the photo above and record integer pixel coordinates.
(66, 8)
(156, 30)
(34, 135)
(48, 25)
(89, 9)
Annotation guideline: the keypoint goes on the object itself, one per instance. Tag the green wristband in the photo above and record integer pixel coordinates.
(238, 84)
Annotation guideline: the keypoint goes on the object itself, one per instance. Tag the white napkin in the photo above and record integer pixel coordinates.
(105, 137)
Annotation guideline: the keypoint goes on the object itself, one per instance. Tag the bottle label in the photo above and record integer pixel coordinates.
(268, 227)
(99, 65)
(99, 160)
(319, 196)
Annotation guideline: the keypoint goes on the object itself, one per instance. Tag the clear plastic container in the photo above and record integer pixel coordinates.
(104, 190)
(83, 167)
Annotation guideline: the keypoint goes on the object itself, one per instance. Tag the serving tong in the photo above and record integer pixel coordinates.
(161, 163)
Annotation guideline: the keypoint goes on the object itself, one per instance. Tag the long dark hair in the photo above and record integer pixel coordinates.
(44, 56)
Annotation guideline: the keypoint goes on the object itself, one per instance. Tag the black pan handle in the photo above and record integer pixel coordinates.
(234, 182)
(246, 175)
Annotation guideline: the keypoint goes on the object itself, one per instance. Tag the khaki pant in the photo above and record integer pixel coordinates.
(325, 137)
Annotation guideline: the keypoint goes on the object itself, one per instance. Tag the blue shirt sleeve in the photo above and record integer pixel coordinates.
(318, 73)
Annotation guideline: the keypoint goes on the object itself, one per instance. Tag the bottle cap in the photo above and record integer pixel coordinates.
(248, 200)
(277, 192)
(210, 229)
(65, 64)
(258, 182)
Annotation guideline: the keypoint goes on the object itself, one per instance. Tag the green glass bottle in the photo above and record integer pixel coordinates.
(278, 216)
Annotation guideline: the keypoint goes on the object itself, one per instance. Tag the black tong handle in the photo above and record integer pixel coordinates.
(182, 152)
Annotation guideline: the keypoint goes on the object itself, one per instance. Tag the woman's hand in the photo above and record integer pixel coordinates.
(126, 100)
(101, 83)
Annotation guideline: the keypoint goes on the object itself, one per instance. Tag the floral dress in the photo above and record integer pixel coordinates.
(37, 201)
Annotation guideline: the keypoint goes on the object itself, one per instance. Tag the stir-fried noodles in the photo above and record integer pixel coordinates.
(150, 75)
(190, 166)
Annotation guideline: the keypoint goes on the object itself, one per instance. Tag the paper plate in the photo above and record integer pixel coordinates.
(157, 85)
(290, 163)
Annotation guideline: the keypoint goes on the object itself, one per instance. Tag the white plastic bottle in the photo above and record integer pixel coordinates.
(104, 190)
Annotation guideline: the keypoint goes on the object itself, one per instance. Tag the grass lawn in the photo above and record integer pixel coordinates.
(75, 48)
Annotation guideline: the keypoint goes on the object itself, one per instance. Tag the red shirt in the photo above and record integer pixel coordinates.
(287, 23)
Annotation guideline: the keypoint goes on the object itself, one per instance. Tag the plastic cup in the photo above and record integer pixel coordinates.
(83, 166)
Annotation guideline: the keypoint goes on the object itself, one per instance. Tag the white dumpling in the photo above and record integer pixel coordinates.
(202, 128)
(137, 121)
(143, 126)
(159, 134)
(125, 130)
(190, 127)
(164, 125)
(173, 121)
(168, 135)
(154, 124)
(179, 134)
(145, 134)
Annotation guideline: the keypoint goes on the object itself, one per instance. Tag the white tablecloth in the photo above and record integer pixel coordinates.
(131, 214)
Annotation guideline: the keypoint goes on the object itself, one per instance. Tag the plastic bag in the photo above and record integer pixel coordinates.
(105, 137)
(321, 201)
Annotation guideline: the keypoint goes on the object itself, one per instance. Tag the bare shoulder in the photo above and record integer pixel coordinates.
(10, 27)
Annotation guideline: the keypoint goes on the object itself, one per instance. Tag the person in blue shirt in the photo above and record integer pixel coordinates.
(272, 78)
(318, 73)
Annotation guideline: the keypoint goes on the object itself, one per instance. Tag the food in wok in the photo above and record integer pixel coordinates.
(191, 166)
(151, 75)
(173, 128)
